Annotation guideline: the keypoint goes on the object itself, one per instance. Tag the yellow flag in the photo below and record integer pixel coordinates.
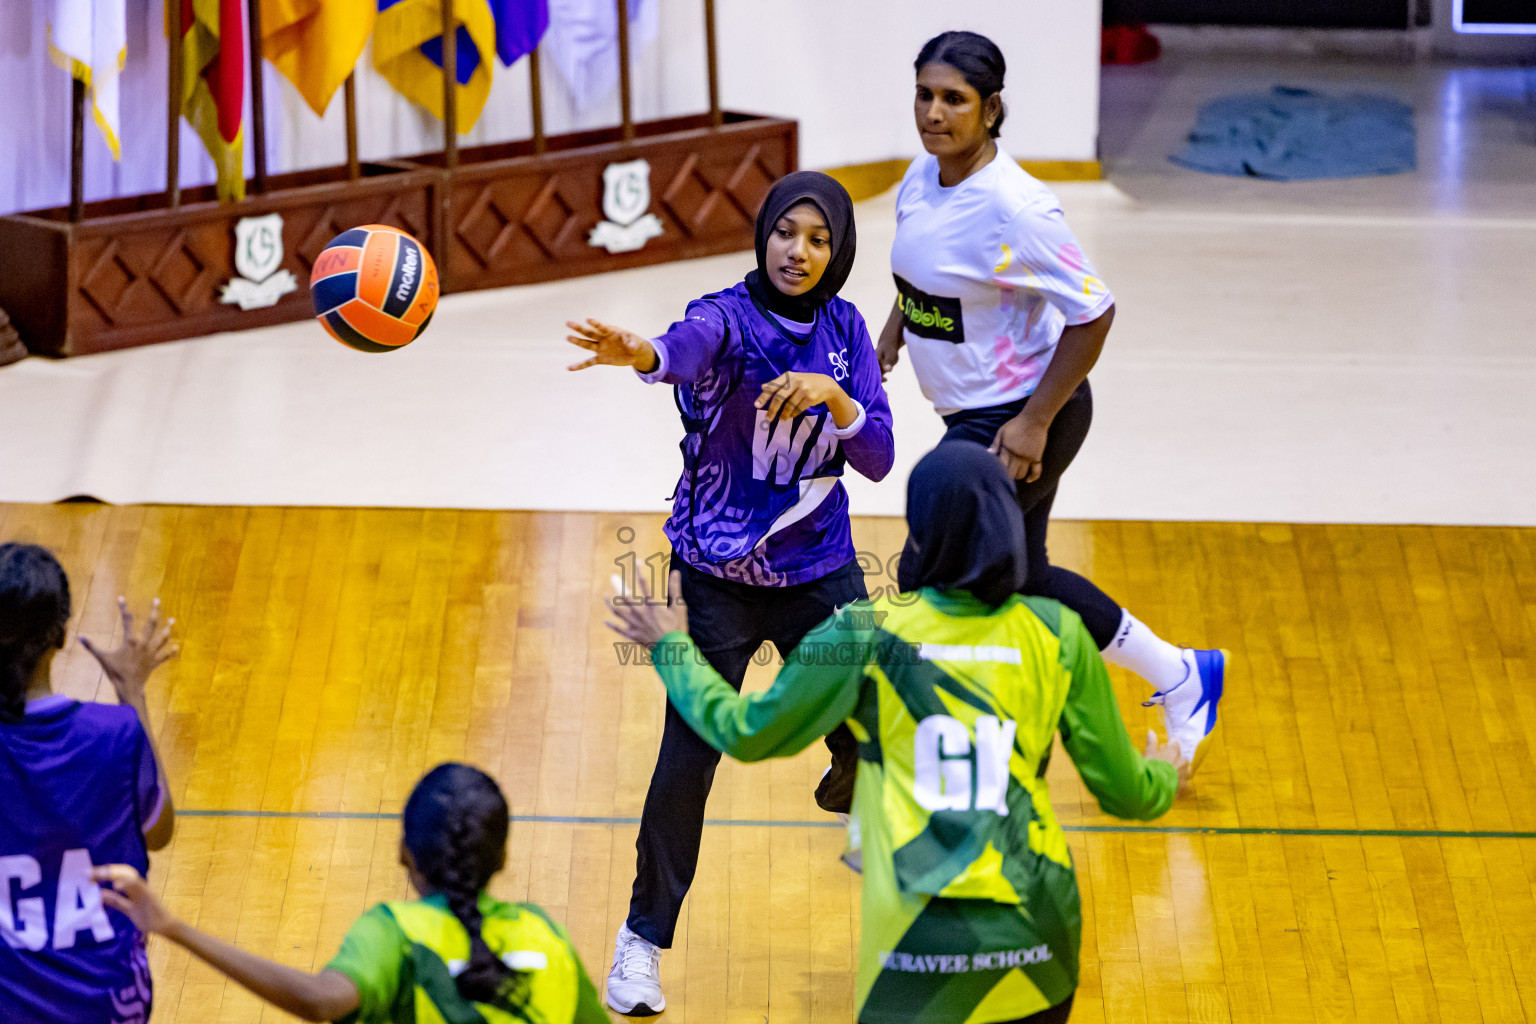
(315, 43)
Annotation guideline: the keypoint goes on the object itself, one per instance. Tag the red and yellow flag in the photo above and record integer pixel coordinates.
(315, 43)
(212, 35)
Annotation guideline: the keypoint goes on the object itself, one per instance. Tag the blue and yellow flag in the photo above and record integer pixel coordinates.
(408, 52)
(315, 43)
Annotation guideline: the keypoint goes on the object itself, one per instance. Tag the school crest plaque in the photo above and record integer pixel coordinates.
(626, 198)
(258, 254)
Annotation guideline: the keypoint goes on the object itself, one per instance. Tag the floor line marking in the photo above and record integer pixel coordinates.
(1172, 830)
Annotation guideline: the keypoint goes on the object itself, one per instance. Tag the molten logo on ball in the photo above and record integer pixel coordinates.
(374, 288)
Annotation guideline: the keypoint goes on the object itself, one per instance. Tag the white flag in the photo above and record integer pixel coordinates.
(89, 39)
(583, 41)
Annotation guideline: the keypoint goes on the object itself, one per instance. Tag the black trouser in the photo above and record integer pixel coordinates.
(1099, 612)
(728, 621)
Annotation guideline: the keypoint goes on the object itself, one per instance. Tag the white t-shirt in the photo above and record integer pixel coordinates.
(988, 275)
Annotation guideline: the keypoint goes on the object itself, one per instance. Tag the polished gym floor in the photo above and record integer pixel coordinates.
(1361, 843)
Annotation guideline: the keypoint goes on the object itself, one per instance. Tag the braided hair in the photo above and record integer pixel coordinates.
(34, 610)
(978, 60)
(456, 831)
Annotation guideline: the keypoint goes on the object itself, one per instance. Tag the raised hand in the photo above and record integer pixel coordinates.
(645, 621)
(129, 666)
(611, 346)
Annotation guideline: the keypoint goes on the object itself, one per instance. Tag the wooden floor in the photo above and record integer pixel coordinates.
(1361, 846)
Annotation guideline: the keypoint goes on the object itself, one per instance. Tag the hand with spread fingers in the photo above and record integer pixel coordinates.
(611, 346)
(131, 663)
(646, 621)
(790, 394)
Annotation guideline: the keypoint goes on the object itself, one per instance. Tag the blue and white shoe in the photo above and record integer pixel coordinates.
(1189, 709)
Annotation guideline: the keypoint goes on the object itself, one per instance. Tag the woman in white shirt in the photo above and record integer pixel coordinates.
(1003, 317)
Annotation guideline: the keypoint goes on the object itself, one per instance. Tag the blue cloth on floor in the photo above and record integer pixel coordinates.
(1294, 134)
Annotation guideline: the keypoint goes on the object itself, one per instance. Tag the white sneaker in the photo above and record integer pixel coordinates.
(853, 853)
(1189, 709)
(634, 982)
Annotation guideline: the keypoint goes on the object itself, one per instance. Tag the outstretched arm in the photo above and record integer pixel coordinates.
(128, 669)
(328, 995)
(611, 346)
(683, 354)
(817, 688)
(1125, 783)
(806, 701)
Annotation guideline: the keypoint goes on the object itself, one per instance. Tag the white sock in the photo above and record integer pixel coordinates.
(1142, 651)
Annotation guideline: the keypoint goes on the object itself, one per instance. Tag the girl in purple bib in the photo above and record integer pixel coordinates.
(779, 389)
(83, 786)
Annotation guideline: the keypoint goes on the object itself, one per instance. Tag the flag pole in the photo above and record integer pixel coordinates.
(77, 151)
(716, 119)
(258, 99)
(450, 94)
(173, 94)
(536, 85)
(625, 112)
(349, 100)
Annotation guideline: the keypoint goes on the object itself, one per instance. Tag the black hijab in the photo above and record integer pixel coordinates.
(965, 528)
(836, 208)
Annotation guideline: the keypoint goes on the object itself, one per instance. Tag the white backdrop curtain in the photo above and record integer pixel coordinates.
(35, 128)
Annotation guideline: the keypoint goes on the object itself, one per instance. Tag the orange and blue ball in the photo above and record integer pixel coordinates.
(374, 288)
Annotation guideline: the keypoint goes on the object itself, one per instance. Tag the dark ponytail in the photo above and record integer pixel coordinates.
(456, 830)
(978, 60)
(34, 611)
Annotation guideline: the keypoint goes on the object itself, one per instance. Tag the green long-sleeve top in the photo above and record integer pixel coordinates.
(1030, 661)
(955, 706)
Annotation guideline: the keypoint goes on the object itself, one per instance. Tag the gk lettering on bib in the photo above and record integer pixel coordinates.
(930, 316)
(950, 776)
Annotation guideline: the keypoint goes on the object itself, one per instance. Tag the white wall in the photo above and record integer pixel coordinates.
(847, 73)
(843, 68)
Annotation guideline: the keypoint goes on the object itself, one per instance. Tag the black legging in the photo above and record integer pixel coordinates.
(728, 621)
(1099, 612)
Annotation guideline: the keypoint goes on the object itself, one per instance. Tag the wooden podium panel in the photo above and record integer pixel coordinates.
(135, 272)
(512, 218)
